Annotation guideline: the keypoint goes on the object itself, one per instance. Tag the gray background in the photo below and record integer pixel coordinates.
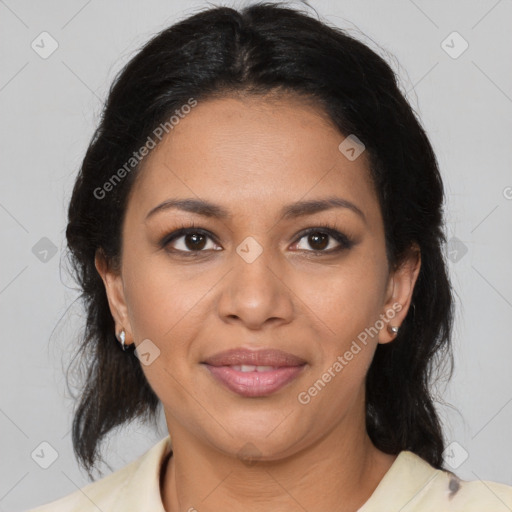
(49, 109)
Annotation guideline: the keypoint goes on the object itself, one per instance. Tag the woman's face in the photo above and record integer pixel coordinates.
(254, 278)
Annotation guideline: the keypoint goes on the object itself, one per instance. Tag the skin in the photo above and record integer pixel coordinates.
(252, 156)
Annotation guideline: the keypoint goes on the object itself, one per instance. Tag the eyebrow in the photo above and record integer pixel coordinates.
(290, 211)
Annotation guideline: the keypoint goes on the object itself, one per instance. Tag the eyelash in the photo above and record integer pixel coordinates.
(328, 229)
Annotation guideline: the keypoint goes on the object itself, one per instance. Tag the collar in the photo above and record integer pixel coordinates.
(141, 489)
(408, 478)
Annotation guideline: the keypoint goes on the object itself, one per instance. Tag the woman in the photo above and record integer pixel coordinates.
(257, 229)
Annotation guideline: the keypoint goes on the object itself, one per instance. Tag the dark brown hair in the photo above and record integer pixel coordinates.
(260, 49)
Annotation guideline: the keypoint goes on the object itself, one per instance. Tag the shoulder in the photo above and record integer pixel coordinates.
(442, 490)
(120, 490)
(97, 495)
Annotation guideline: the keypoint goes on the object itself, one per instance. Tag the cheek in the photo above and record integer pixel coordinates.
(162, 298)
(348, 304)
(152, 302)
(348, 296)
(164, 307)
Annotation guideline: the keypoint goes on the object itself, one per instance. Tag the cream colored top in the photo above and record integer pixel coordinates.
(410, 485)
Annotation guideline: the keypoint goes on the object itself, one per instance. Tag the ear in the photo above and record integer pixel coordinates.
(113, 282)
(399, 293)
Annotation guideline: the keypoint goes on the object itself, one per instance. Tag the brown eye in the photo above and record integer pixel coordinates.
(318, 239)
(188, 242)
(194, 241)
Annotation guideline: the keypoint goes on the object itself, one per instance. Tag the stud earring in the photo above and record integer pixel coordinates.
(393, 329)
(122, 337)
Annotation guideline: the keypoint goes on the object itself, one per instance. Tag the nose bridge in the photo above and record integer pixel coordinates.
(253, 260)
(254, 291)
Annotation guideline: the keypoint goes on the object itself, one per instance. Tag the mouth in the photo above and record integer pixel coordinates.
(252, 373)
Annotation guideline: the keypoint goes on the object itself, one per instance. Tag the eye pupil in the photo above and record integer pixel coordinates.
(196, 244)
(313, 240)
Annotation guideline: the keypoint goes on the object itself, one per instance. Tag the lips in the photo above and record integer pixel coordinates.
(263, 357)
(252, 373)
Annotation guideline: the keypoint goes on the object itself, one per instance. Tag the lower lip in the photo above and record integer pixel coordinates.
(254, 384)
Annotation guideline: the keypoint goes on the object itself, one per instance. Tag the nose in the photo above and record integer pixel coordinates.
(255, 292)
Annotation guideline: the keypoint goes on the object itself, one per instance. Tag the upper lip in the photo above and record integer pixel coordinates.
(261, 357)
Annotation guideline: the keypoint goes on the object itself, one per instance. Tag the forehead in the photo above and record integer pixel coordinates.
(253, 152)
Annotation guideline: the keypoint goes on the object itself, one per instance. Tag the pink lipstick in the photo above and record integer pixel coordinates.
(253, 373)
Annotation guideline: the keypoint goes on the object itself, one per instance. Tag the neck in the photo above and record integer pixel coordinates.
(338, 472)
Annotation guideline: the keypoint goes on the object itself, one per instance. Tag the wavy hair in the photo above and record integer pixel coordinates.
(260, 49)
